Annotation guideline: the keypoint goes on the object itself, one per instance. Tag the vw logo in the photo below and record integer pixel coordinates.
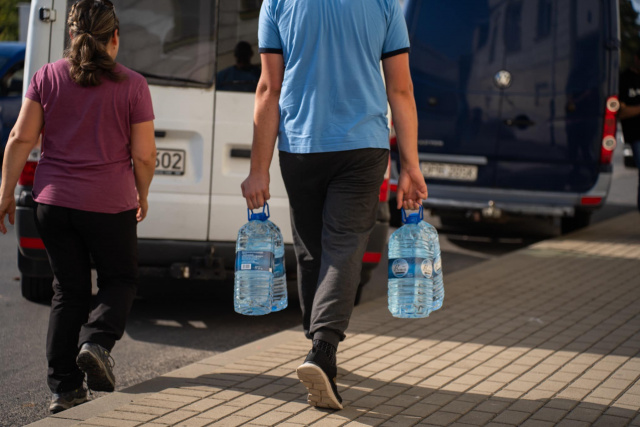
(502, 79)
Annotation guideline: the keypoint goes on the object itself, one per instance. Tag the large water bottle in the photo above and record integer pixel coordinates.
(411, 267)
(253, 279)
(280, 298)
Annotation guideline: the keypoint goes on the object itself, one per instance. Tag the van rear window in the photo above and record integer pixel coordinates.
(169, 42)
(452, 29)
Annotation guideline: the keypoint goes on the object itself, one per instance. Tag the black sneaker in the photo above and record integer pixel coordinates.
(318, 374)
(69, 399)
(95, 361)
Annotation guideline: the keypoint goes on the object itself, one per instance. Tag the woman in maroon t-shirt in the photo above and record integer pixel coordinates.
(98, 120)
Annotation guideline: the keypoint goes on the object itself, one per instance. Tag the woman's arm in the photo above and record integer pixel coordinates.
(23, 137)
(143, 153)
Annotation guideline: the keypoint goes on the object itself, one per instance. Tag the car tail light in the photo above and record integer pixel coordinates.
(609, 131)
(385, 187)
(372, 257)
(28, 174)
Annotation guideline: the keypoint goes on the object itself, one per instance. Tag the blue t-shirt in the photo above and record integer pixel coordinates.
(333, 96)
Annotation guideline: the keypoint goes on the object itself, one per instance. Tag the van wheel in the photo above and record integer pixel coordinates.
(37, 289)
(581, 219)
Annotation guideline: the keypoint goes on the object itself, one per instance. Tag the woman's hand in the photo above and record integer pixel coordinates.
(7, 207)
(143, 207)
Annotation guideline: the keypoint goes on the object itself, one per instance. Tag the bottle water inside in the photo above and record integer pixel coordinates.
(411, 268)
(280, 298)
(253, 278)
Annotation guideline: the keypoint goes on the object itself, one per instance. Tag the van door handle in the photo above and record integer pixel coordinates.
(241, 153)
(521, 122)
(160, 133)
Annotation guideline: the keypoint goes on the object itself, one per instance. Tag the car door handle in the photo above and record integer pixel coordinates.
(242, 153)
(520, 122)
(160, 133)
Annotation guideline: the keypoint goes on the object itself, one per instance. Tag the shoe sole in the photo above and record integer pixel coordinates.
(319, 386)
(97, 377)
(59, 408)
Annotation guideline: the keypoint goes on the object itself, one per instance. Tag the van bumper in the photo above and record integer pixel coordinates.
(517, 202)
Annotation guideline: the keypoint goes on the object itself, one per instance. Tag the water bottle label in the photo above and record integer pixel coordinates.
(278, 267)
(410, 267)
(437, 265)
(254, 260)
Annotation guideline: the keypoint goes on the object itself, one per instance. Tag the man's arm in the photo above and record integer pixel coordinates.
(266, 121)
(411, 186)
(628, 111)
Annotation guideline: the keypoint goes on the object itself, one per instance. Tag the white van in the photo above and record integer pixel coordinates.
(203, 136)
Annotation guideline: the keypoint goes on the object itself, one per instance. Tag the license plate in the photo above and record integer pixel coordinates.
(170, 162)
(449, 171)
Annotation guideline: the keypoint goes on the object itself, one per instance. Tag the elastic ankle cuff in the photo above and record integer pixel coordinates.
(327, 336)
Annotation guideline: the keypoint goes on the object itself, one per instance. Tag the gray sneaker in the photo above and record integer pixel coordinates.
(69, 399)
(95, 361)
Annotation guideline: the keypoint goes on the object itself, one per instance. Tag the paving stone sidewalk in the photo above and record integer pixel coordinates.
(548, 335)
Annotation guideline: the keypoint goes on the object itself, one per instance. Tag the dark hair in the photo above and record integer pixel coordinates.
(243, 51)
(92, 24)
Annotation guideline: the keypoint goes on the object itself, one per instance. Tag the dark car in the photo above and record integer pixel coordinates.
(517, 103)
(11, 72)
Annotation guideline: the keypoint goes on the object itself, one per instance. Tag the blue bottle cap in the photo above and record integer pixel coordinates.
(261, 216)
(413, 218)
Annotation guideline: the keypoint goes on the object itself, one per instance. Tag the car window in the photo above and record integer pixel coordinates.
(11, 84)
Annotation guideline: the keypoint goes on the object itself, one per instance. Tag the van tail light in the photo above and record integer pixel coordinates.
(385, 187)
(590, 201)
(29, 171)
(609, 131)
(28, 174)
(393, 140)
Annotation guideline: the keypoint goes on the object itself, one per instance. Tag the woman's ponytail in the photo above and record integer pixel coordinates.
(92, 24)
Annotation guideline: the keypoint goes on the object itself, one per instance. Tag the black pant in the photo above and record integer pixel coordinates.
(73, 238)
(333, 199)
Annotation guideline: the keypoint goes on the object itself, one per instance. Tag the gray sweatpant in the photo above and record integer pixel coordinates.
(333, 200)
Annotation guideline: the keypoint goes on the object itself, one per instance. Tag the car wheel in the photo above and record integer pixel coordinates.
(365, 277)
(37, 289)
(395, 214)
(581, 219)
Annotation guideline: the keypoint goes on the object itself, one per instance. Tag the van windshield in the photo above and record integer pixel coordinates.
(169, 42)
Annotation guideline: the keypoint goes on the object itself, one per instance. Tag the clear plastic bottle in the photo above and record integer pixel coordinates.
(411, 258)
(253, 279)
(280, 297)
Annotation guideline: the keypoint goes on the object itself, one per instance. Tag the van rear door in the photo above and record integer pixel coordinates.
(455, 52)
(553, 108)
(173, 45)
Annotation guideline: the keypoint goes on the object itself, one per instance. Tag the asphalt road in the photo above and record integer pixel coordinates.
(174, 323)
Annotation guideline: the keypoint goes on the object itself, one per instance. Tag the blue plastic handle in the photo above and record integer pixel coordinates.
(404, 214)
(265, 211)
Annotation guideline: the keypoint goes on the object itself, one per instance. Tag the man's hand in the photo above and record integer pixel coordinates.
(7, 207)
(256, 190)
(411, 189)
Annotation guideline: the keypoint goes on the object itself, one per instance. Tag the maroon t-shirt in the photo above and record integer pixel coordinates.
(86, 150)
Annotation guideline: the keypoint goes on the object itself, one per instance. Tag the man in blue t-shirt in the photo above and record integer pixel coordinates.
(322, 94)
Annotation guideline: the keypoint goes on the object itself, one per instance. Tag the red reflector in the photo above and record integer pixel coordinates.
(590, 201)
(31, 243)
(394, 188)
(28, 174)
(371, 257)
